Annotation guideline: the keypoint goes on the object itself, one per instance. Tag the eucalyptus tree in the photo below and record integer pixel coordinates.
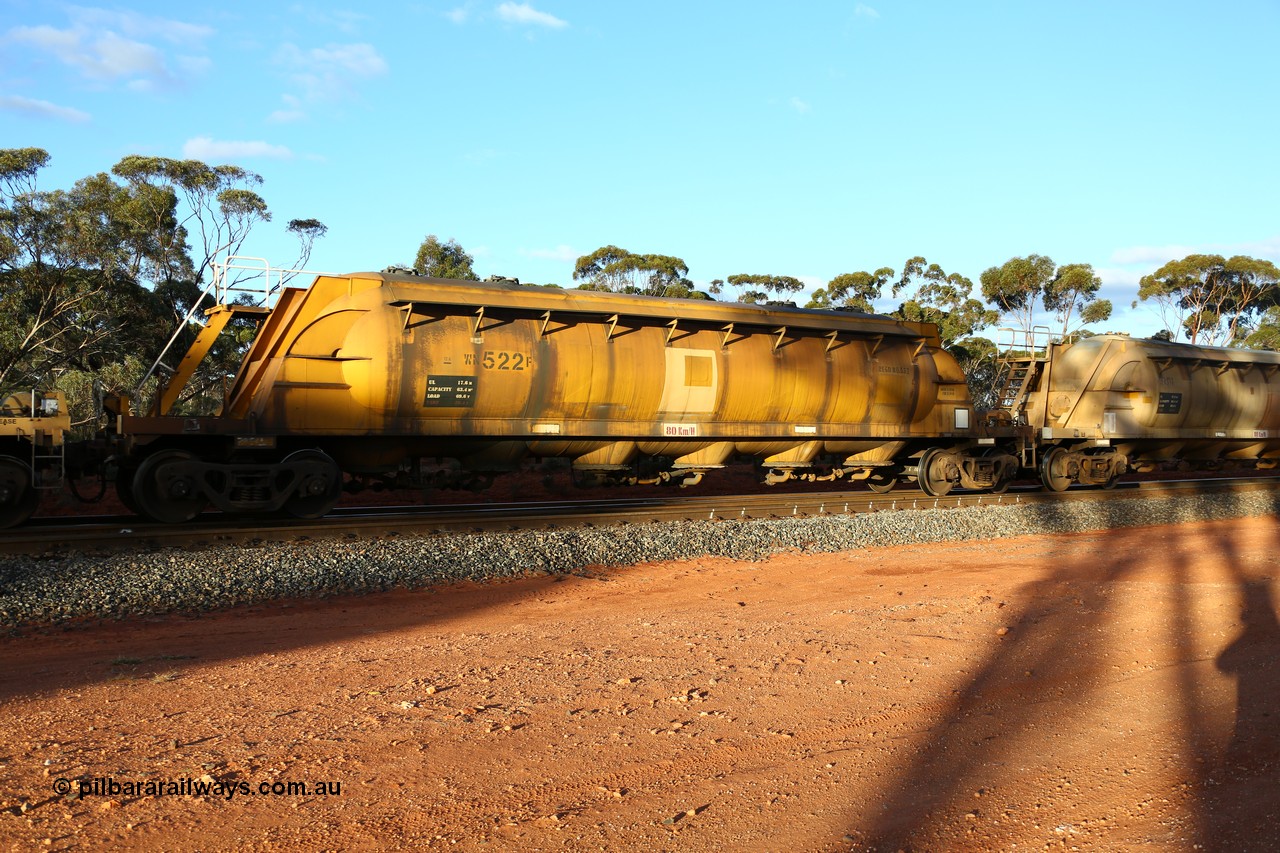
(943, 298)
(308, 231)
(196, 212)
(611, 268)
(67, 302)
(67, 299)
(1211, 298)
(852, 291)
(979, 360)
(1267, 333)
(1017, 285)
(94, 278)
(761, 288)
(1073, 291)
(444, 260)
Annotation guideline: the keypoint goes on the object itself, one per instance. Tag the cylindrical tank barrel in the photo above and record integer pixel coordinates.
(1164, 399)
(575, 373)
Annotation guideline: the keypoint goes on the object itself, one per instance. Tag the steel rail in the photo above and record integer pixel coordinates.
(80, 534)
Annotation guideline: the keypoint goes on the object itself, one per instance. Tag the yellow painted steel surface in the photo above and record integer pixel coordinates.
(1163, 399)
(590, 375)
(44, 423)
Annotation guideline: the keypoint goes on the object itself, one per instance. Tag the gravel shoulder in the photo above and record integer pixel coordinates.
(37, 591)
(1111, 689)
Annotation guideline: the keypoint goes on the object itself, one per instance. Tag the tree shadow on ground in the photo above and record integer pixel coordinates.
(72, 656)
(1247, 775)
(1059, 661)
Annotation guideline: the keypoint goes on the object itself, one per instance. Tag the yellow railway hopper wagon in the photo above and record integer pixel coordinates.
(369, 372)
(1111, 403)
(33, 430)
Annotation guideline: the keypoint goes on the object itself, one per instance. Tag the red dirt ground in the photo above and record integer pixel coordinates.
(1106, 691)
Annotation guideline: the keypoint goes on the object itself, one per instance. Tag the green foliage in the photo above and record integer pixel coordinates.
(1267, 333)
(1016, 286)
(757, 288)
(1097, 311)
(1181, 289)
(18, 168)
(307, 231)
(69, 296)
(84, 389)
(1071, 290)
(94, 279)
(933, 296)
(941, 298)
(1212, 299)
(175, 198)
(980, 362)
(617, 270)
(852, 291)
(444, 260)
(603, 269)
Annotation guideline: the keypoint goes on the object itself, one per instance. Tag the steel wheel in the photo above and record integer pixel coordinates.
(18, 496)
(881, 484)
(319, 487)
(1052, 472)
(932, 476)
(165, 490)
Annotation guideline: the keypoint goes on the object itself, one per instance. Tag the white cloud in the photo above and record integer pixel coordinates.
(138, 26)
(195, 65)
(341, 20)
(330, 72)
(61, 43)
(105, 56)
(361, 60)
(1150, 254)
(800, 106)
(524, 14)
(105, 46)
(41, 109)
(1155, 256)
(204, 148)
(461, 14)
(1119, 277)
(121, 57)
(559, 253)
(1269, 248)
(285, 116)
(863, 11)
(291, 112)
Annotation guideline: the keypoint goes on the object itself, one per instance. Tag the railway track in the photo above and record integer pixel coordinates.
(70, 534)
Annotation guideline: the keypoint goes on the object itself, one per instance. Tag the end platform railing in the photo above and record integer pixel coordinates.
(237, 275)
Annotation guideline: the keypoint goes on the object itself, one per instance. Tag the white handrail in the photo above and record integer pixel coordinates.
(221, 286)
(1034, 342)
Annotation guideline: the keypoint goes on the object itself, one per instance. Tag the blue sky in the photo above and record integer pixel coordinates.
(807, 139)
